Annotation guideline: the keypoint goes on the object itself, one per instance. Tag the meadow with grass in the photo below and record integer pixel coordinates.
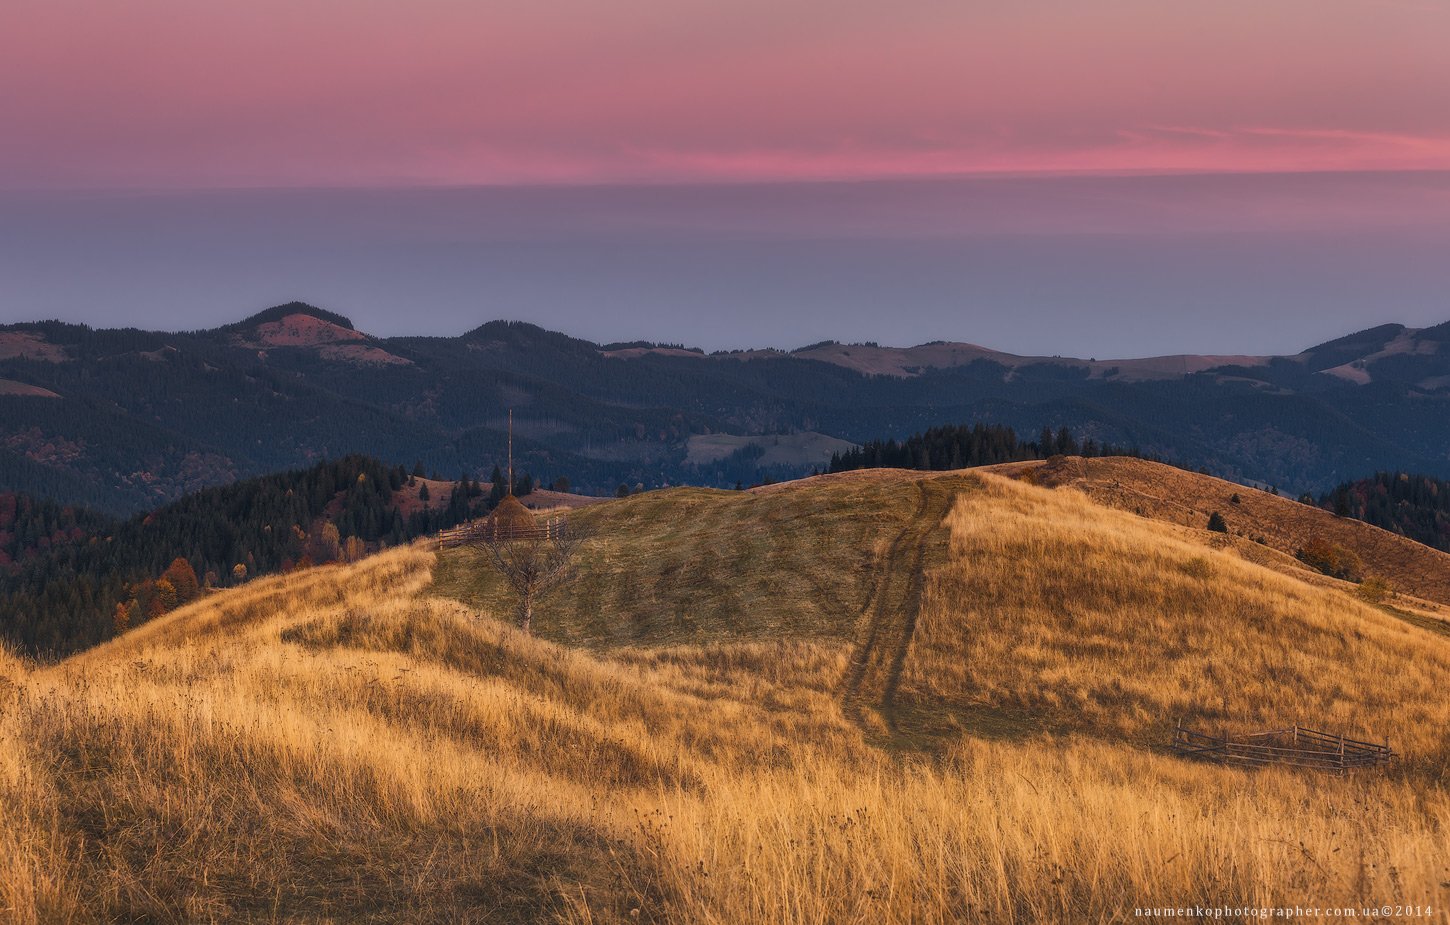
(887, 697)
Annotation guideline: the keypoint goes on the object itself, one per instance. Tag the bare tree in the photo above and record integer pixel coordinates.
(533, 559)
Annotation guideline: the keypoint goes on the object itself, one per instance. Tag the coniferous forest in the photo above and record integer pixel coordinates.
(127, 420)
(1416, 506)
(70, 578)
(961, 446)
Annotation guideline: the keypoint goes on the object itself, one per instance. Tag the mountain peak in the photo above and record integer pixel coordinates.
(279, 312)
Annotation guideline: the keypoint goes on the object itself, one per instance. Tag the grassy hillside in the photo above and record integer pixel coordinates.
(877, 697)
(691, 565)
(1259, 523)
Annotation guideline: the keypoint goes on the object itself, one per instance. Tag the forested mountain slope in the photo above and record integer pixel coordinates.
(70, 578)
(1415, 506)
(123, 419)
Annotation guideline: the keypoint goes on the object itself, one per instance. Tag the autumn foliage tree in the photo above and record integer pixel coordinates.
(183, 580)
(1334, 561)
(324, 544)
(121, 618)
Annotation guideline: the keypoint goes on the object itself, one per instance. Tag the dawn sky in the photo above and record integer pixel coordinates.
(122, 124)
(376, 92)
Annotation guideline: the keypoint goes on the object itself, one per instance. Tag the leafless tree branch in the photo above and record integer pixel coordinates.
(533, 562)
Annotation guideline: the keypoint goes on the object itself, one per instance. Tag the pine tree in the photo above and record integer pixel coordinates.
(1064, 444)
(1046, 442)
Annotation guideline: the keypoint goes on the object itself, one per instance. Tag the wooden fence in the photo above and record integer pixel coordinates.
(539, 528)
(457, 536)
(1297, 746)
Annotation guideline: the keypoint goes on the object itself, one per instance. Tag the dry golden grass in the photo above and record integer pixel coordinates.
(340, 745)
(1121, 626)
(1267, 527)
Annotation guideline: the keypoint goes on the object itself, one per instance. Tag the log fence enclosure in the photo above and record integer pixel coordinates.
(1297, 746)
(543, 528)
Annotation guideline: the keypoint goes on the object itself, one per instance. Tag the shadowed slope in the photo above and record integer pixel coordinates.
(685, 565)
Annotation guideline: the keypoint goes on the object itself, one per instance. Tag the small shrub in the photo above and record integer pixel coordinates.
(1198, 567)
(1329, 559)
(1235, 499)
(1375, 590)
(1216, 523)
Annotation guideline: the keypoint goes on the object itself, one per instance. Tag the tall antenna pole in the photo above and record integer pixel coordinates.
(511, 451)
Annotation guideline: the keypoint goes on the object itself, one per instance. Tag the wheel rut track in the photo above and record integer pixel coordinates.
(888, 622)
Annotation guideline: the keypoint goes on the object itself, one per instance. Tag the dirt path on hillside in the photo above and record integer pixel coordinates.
(883, 636)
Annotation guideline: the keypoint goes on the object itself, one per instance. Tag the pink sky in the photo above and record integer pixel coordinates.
(186, 93)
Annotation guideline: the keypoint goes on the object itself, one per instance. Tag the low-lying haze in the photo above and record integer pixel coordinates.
(1104, 266)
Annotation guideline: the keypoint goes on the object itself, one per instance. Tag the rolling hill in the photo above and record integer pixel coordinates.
(125, 420)
(878, 695)
(1261, 526)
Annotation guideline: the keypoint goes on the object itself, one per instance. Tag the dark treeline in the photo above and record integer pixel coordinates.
(1414, 506)
(32, 528)
(961, 446)
(70, 578)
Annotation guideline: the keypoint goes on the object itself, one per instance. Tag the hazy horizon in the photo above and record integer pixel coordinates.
(1088, 265)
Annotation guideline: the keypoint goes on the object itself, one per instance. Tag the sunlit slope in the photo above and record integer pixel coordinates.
(1259, 523)
(1055, 612)
(331, 746)
(972, 602)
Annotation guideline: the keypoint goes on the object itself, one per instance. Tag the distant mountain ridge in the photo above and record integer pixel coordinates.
(282, 312)
(127, 419)
(1363, 347)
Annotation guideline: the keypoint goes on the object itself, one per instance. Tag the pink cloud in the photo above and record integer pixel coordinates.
(175, 93)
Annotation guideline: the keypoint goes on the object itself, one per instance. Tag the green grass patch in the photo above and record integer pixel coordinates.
(693, 565)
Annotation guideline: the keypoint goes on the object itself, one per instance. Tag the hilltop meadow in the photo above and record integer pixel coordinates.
(873, 697)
